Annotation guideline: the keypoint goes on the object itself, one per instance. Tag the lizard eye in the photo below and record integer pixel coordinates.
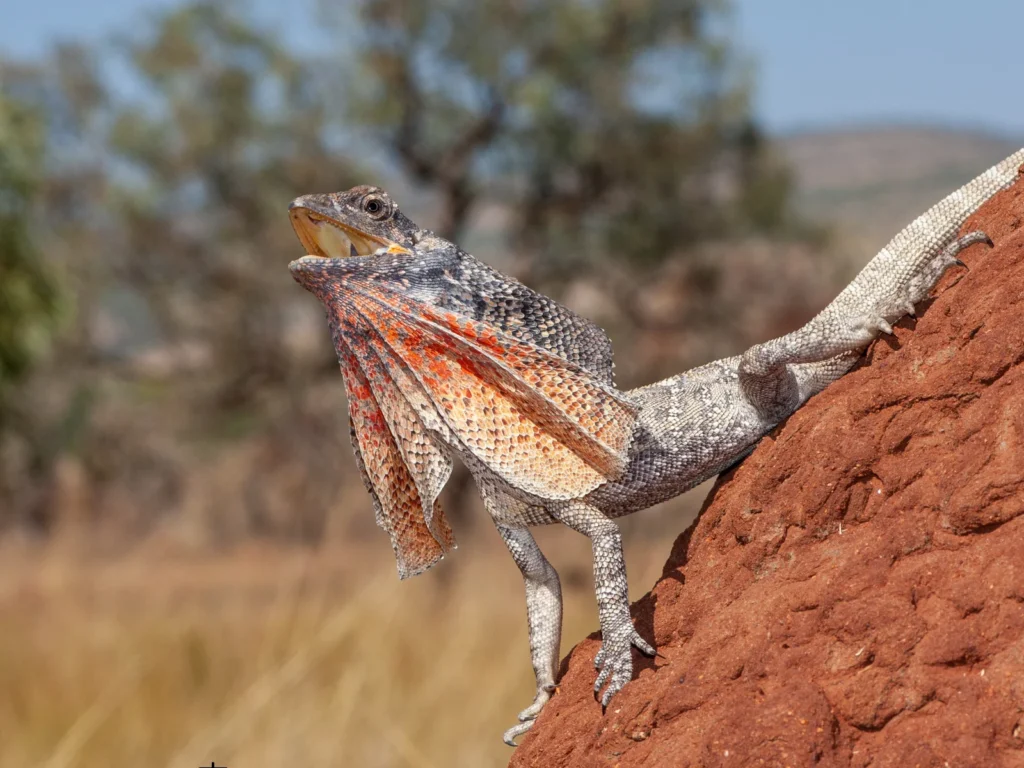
(375, 207)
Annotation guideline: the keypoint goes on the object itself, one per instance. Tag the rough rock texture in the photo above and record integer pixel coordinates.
(853, 593)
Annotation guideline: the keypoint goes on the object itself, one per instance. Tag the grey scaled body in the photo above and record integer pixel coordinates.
(690, 426)
(698, 423)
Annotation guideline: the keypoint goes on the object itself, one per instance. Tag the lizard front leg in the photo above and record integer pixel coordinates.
(543, 618)
(618, 635)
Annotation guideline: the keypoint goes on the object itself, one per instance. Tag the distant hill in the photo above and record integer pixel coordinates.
(873, 181)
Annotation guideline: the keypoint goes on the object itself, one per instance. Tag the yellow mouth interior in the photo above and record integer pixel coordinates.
(330, 239)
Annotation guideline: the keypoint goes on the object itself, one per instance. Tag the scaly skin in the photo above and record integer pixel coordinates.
(684, 429)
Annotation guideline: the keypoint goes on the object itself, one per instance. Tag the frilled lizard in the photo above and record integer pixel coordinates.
(444, 357)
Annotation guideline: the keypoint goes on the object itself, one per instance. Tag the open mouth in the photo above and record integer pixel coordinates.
(330, 239)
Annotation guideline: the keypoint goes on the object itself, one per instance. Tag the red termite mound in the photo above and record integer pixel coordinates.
(852, 594)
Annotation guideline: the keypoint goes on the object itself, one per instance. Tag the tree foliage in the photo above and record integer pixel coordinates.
(233, 127)
(611, 128)
(30, 298)
(613, 136)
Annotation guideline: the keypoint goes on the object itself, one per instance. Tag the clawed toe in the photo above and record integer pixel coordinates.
(965, 242)
(615, 663)
(529, 715)
(602, 677)
(621, 675)
(531, 712)
(644, 647)
(513, 733)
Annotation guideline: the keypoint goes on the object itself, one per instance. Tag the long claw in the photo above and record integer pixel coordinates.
(529, 715)
(645, 648)
(615, 662)
(513, 733)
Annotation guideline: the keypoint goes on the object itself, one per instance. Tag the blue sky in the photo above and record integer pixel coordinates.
(819, 63)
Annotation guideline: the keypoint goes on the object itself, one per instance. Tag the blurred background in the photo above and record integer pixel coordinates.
(189, 569)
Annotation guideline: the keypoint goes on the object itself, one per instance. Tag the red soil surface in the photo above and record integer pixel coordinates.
(853, 593)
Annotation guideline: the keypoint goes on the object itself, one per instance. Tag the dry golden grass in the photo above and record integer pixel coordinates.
(267, 657)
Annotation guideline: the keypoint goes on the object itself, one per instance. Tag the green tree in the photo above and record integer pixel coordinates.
(165, 203)
(30, 298)
(609, 127)
(232, 127)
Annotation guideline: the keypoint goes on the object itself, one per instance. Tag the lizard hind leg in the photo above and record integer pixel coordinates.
(779, 375)
(886, 289)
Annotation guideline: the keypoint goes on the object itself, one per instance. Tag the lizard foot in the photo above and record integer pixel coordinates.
(927, 274)
(528, 716)
(615, 660)
(891, 305)
(531, 712)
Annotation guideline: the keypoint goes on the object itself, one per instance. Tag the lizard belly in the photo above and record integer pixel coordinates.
(691, 427)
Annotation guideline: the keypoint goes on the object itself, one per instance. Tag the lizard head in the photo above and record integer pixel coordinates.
(359, 222)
